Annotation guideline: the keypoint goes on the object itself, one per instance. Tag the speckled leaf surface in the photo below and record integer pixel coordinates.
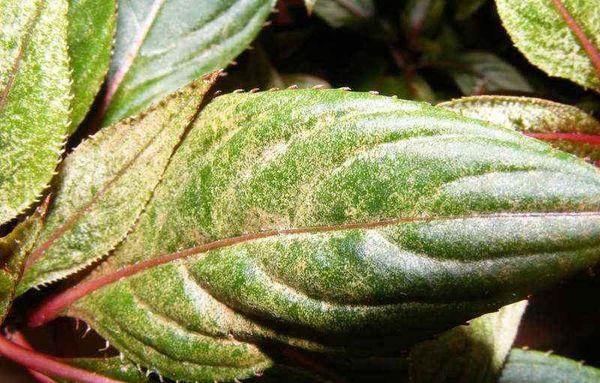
(525, 366)
(91, 31)
(474, 353)
(111, 367)
(562, 37)
(34, 99)
(105, 183)
(336, 222)
(161, 45)
(564, 126)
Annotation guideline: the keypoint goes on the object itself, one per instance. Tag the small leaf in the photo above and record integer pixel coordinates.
(105, 183)
(34, 99)
(559, 36)
(539, 367)
(481, 72)
(13, 253)
(302, 80)
(336, 222)
(152, 58)
(565, 127)
(91, 32)
(473, 353)
(342, 13)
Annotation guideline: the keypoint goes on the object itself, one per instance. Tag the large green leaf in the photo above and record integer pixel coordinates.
(474, 353)
(539, 367)
(91, 32)
(559, 36)
(335, 222)
(34, 99)
(564, 126)
(105, 183)
(162, 45)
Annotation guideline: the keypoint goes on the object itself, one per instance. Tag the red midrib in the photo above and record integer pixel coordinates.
(588, 46)
(591, 139)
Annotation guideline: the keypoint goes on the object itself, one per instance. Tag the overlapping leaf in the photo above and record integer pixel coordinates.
(340, 13)
(564, 126)
(562, 37)
(34, 99)
(474, 353)
(334, 222)
(104, 185)
(91, 33)
(162, 45)
(540, 367)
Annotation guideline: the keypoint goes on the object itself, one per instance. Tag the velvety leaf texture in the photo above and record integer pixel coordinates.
(566, 127)
(162, 45)
(91, 32)
(344, 223)
(539, 367)
(559, 36)
(474, 353)
(34, 99)
(104, 185)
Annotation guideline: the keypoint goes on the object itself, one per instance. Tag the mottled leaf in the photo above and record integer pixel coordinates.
(34, 99)
(538, 367)
(162, 45)
(559, 36)
(335, 222)
(474, 353)
(90, 34)
(341, 13)
(105, 183)
(564, 126)
(481, 72)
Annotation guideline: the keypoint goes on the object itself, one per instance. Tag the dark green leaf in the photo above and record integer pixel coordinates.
(341, 13)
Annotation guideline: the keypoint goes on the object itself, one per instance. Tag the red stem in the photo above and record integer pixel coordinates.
(48, 365)
(591, 139)
(586, 43)
(18, 339)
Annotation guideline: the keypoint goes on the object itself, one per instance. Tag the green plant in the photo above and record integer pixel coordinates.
(299, 234)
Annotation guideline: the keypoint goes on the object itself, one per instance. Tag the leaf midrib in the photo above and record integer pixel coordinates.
(53, 306)
(26, 39)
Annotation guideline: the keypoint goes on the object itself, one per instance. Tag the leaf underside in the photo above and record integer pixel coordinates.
(104, 185)
(390, 221)
(34, 99)
(152, 58)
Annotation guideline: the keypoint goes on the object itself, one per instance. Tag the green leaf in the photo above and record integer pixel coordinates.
(412, 87)
(342, 13)
(303, 80)
(474, 353)
(564, 126)
(152, 58)
(559, 36)
(538, 367)
(113, 367)
(423, 16)
(13, 253)
(91, 31)
(104, 185)
(481, 72)
(335, 222)
(34, 99)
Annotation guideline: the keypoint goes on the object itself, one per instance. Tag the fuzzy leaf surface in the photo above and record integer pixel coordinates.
(34, 99)
(162, 45)
(549, 38)
(474, 353)
(564, 126)
(92, 25)
(105, 183)
(335, 222)
(539, 367)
